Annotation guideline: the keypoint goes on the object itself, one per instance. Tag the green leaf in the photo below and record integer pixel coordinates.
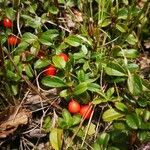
(76, 119)
(58, 62)
(91, 129)
(123, 13)
(54, 10)
(131, 39)
(114, 69)
(15, 89)
(47, 37)
(110, 92)
(47, 124)
(128, 53)
(73, 40)
(134, 84)
(56, 138)
(28, 70)
(121, 106)
(53, 82)
(29, 37)
(111, 115)
(120, 28)
(133, 121)
(103, 139)
(67, 117)
(80, 88)
(10, 13)
(40, 63)
(144, 136)
(81, 76)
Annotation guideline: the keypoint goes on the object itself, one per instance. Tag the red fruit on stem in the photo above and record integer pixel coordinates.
(64, 56)
(7, 23)
(86, 111)
(12, 40)
(50, 71)
(74, 107)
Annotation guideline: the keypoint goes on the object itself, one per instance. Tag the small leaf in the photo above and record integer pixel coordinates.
(120, 28)
(114, 69)
(128, 53)
(54, 10)
(28, 70)
(131, 39)
(56, 138)
(103, 139)
(67, 117)
(133, 121)
(91, 129)
(40, 63)
(111, 115)
(120, 106)
(134, 84)
(80, 88)
(53, 82)
(59, 62)
(76, 119)
(29, 37)
(47, 37)
(73, 40)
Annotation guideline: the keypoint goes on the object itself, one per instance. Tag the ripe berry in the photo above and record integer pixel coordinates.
(86, 111)
(64, 56)
(7, 23)
(74, 107)
(50, 71)
(12, 40)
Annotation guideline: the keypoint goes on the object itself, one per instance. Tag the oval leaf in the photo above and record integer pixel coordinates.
(56, 138)
(110, 115)
(133, 121)
(82, 87)
(53, 82)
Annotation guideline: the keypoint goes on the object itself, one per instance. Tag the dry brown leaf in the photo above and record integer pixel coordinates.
(11, 121)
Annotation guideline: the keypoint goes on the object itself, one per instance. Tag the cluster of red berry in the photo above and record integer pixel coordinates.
(12, 39)
(84, 110)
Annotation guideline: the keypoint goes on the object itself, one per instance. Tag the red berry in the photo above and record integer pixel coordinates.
(74, 107)
(7, 23)
(12, 40)
(64, 56)
(50, 71)
(86, 111)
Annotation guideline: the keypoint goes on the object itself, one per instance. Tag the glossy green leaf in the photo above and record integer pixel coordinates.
(128, 53)
(134, 84)
(41, 63)
(56, 138)
(103, 139)
(111, 115)
(133, 121)
(29, 37)
(121, 106)
(131, 39)
(54, 10)
(53, 82)
(114, 69)
(73, 40)
(28, 70)
(47, 37)
(67, 116)
(76, 119)
(58, 62)
(80, 88)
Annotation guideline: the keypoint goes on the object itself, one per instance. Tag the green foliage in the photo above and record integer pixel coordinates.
(103, 42)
